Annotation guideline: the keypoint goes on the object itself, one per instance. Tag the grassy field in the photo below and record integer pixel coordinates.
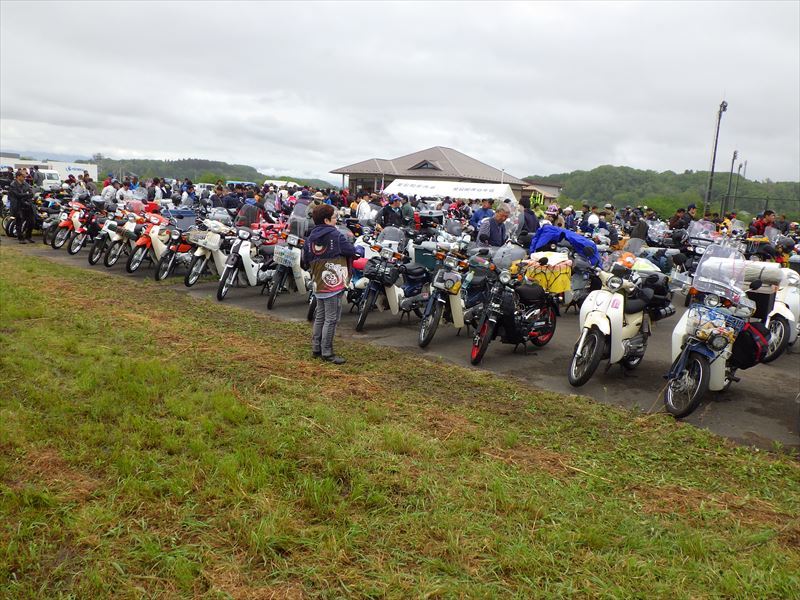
(152, 445)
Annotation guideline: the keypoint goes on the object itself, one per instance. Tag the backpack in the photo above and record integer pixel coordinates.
(751, 346)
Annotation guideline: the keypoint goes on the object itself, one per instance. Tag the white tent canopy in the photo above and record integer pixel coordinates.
(280, 183)
(455, 189)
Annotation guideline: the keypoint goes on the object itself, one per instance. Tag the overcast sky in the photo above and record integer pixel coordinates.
(303, 88)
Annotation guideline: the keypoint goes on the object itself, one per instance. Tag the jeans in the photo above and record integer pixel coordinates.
(327, 315)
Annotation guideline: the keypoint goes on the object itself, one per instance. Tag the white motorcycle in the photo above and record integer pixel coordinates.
(210, 250)
(287, 255)
(124, 238)
(783, 321)
(246, 264)
(615, 320)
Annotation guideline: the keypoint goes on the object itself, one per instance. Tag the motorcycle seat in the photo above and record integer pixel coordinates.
(530, 294)
(635, 305)
(672, 251)
(359, 264)
(478, 282)
(414, 270)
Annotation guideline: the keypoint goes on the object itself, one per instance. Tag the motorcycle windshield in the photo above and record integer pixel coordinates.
(656, 229)
(772, 234)
(505, 255)
(721, 271)
(702, 230)
(737, 227)
(298, 221)
(392, 236)
(634, 246)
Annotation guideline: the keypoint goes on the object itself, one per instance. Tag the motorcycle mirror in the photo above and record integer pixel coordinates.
(756, 284)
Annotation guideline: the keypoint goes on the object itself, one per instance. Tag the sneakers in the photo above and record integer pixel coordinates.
(315, 354)
(29, 240)
(337, 360)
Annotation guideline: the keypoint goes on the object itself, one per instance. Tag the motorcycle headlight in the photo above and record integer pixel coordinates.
(505, 277)
(718, 342)
(449, 283)
(711, 300)
(699, 249)
(244, 234)
(614, 283)
(175, 235)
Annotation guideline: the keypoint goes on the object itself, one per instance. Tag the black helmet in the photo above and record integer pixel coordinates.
(679, 236)
(766, 251)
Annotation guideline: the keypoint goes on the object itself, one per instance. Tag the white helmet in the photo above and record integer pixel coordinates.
(593, 220)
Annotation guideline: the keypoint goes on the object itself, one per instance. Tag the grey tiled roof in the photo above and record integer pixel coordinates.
(451, 164)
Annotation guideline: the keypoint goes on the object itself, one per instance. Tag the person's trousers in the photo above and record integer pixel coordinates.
(326, 317)
(23, 215)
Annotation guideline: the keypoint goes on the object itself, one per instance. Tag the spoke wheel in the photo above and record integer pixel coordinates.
(429, 325)
(778, 338)
(684, 392)
(583, 366)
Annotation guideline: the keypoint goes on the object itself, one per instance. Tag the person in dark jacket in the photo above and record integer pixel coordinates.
(20, 195)
(531, 222)
(391, 214)
(326, 252)
(492, 232)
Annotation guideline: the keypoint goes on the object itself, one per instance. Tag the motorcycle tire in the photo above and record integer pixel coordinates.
(367, 301)
(47, 235)
(113, 253)
(545, 338)
(696, 364)
(629, 363)
(6, 224)
(11, 230)
(96, 253)
(165, 266)
(594, 345)
(778, 338)
(429, 325)
(60, 238)
(481, 341)
(312, 309)
(227, 281)
(76, 243)
(275, 287)
(196, 268)
(136, 259)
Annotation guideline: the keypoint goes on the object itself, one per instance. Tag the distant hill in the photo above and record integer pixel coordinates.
(666, 191)
(196, 169)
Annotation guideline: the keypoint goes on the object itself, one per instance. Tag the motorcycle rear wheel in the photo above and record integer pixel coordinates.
(196, 268)
(545, 338)
(367, 301)
(480, 342)
(227, 281)
(429, 325)
(275, 287)
(581, 368)
(778, 338)
(684, 393)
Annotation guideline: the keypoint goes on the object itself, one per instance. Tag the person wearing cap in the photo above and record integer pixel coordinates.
(390, 215)
(569, 218)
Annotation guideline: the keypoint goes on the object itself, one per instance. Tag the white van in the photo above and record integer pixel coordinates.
(52, 180)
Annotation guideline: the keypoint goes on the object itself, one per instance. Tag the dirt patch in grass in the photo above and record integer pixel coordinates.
(529, 457)
(230, 580)
(444, 424)
(45, 466)
(688, 501)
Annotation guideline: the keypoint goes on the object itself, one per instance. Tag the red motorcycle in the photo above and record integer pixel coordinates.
(72, 220)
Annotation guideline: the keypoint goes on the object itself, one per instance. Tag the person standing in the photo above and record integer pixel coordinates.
(326, 252)
(20, 195)
(492, 231)
(484, 212)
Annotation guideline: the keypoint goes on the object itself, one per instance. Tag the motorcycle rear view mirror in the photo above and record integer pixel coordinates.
(756, 284)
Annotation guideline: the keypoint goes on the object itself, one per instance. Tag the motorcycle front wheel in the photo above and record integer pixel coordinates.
(778, 338)
(76, 245)
(685, 391)
(136, 259)
(96, 253)
(165, 265)
(278, 279)
(113, 254)
(480, 343)
(366, 305)
(581, 368)
(429, 325)
(227, 281)
(196, 268)
(60, 238)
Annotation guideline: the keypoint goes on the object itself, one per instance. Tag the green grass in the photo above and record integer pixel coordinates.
(153, 445)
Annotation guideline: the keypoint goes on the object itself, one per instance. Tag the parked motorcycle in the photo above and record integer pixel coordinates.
(247, 264)
(151, 244)
(783, 321)
(287, 256)
(615, 320)
(705, 339)
(71, 220)
(211, 249)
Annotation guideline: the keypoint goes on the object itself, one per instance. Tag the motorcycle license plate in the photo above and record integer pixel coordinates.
(283, 256)
(292, 240)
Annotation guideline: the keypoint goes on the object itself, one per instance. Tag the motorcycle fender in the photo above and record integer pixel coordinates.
(200, 251)
(393, 296)
(144, 241)
(598, 300)
(300, 277)
(716, 380)
(599, 320)
(457, 310)
(432, 299)
(783, 310)
(679, 335)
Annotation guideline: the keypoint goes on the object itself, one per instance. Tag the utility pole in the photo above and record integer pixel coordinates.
(736, 189)
(730, 181)
(722, 108)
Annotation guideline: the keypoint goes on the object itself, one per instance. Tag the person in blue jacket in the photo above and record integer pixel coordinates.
(482, 213)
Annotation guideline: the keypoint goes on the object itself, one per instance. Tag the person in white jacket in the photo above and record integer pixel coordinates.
(109, 193)
(364, 210)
